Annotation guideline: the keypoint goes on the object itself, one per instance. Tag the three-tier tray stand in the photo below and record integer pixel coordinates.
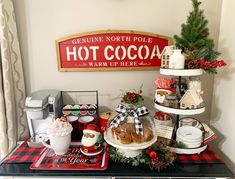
(177, 111)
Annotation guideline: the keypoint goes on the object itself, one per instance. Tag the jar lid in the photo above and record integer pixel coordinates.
(171, 97)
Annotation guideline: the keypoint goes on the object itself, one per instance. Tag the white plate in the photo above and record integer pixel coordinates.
(190, 144)
(179, 138)
(188, 151)
(181, 72)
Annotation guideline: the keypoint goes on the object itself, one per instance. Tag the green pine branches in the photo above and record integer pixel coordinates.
(194, 33)
(194, 38)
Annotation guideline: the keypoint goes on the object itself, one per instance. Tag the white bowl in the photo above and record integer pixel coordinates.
(189, 133)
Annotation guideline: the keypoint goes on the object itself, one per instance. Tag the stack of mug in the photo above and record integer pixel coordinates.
(79, 123)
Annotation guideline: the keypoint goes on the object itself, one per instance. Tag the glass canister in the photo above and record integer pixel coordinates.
(171, 101)
(125, 133)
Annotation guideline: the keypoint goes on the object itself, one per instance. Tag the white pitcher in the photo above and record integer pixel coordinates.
(177, 60)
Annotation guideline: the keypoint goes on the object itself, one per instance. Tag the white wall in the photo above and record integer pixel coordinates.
(41, 22)
(224, 99)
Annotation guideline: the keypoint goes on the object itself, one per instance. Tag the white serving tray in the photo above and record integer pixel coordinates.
(181, 72)
(188, 151)
(179, 111)
(129, 150)
(132, 146)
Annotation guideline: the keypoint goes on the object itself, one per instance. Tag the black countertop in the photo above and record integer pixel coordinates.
(125, 170)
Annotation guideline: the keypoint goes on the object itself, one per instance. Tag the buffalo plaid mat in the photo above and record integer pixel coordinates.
(25, 154)
(207, 156)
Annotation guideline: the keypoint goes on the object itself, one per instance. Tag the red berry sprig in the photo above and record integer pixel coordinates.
(215, 64)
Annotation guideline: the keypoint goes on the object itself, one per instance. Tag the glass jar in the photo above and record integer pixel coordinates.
(171, 101)
(125, 133)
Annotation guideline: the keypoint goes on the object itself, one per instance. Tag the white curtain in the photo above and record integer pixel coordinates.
(13, 125)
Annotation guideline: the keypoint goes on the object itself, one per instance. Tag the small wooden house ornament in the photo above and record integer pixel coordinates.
(191, 100)
(165, 56)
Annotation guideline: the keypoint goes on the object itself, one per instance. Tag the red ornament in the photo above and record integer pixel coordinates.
(153, 154)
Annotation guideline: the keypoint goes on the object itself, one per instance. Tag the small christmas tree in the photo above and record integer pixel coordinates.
(195, 42)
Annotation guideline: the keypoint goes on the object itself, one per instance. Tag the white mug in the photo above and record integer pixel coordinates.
(188, 121)
(60, 144)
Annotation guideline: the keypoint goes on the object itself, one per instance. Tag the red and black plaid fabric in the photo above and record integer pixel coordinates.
(207, 156)
(24, 154)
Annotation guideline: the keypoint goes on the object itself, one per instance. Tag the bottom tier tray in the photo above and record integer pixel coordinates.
(129, 150)
(188, 151)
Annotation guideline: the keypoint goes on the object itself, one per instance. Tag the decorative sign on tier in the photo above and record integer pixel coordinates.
(111, 50)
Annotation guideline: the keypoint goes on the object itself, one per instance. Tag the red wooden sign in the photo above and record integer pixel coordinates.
(110, 50)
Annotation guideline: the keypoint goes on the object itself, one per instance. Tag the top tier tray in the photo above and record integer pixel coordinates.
(181, 72)
(179, 111)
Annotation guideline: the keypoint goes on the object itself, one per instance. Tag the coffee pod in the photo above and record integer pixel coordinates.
(67, 109)
(75, 110)
(84, 109)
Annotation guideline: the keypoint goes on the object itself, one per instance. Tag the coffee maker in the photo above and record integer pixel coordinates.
(41, 108)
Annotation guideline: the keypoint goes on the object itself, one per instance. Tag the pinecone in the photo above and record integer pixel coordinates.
(204, 33)
(192, 64)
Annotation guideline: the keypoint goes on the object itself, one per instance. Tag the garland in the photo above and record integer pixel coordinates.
(158, 157)
(118, 157)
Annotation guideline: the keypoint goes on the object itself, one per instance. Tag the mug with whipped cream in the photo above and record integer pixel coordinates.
(60, 136)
